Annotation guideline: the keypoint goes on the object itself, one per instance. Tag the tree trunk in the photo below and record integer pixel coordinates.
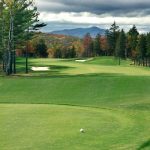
(14, 62)
(119, 61)
(146, 61)
(149, 61)
(8, 63)
(26, 59)
(10, 57)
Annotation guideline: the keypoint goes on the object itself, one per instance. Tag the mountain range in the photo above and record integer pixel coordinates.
(80, 32)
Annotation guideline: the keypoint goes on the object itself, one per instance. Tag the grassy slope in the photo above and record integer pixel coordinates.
(89, 90)
(117, 116)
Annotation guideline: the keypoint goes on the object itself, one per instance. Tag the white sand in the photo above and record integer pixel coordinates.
(40, 68)
(80, 60)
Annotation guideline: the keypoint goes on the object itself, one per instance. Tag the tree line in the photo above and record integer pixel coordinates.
(120, 44)
(65, 47)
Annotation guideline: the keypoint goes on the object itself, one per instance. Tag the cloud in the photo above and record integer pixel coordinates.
(88, 18)
(79, 13)
(113, 7)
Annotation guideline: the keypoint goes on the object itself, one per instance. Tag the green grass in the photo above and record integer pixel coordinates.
(109, 62)
(102, 65)
(94, 90)
(45, 110)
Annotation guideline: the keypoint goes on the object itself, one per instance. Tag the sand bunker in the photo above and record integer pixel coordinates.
(40, 68)
(80, 60)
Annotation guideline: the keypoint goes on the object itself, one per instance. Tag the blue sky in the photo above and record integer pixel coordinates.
(66, 14)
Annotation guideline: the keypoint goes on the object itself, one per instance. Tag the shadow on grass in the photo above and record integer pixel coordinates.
(140, 106)
(57, 74)
(145, 145)
(21, 66)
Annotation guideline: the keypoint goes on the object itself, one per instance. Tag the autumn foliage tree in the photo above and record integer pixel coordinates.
(88, 45)
(79, 47)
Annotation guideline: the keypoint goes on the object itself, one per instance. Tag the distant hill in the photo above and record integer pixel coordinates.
(80, 32)
(56, 39)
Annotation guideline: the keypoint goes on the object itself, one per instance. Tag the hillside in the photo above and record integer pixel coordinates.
(57, 39)
(58, 46)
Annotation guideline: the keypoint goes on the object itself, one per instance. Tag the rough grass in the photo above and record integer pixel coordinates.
(45, 110)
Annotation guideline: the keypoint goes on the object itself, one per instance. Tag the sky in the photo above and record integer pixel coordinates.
(69, 14)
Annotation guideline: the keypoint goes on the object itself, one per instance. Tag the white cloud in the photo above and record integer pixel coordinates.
(89, 18)
(102, 13)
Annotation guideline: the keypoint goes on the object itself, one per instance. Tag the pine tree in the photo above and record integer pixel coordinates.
(97, 45)
(18, 17)
(141, 48)
(41, 48)
(148, 48)
(112, 35)
(121, 45)
(132, 41)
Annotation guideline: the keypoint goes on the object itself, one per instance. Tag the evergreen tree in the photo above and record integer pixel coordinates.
(148, 48)
(97, 45)
(141, 48)
(41, 48)
(57, 53)
(18, 17)
(72, 52)
(121, 45)
(132, 41)
(112, 35)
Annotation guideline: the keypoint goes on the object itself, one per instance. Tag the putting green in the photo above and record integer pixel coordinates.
(43, 127)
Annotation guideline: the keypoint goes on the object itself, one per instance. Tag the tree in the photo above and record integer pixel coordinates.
(148, 48)
(9, 5)
(88, 45)
(141, 48)
(121, 45)
(58, 53)
(79, 47)
(41, 48)
(72, 52)
(97, 45)
(18, 16)
(1, 30)
(132, 40)
(104, 45)
(112, 35)
(26, 17)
